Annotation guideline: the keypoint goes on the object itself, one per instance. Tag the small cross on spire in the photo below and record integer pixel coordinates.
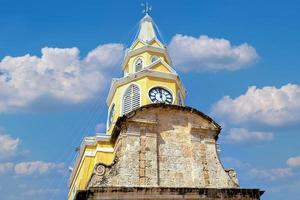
(147, 8)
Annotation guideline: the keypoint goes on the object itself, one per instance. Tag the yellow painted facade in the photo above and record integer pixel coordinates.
(154, 73)
(91, 155)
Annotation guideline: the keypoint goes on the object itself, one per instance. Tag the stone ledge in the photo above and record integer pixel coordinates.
(151, 193)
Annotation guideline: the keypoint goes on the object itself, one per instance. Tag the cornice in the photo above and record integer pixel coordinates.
(134, 52)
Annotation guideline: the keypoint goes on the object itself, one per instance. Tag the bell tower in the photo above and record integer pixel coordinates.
(148, 76)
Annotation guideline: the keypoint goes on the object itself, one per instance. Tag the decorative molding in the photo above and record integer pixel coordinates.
(100, 170)
(101, 173)
(98, 149)
(163, 63)
(201, 128)
(143, 121)
(134, 134)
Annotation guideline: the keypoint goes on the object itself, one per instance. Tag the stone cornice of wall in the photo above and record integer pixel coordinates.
(121, 120)
(169, 193)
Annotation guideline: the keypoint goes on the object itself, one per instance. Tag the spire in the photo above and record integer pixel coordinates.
(147, 32)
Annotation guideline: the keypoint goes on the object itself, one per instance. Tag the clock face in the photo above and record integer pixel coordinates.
(160, 95)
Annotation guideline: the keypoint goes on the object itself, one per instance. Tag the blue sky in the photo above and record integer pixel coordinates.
(237, 44)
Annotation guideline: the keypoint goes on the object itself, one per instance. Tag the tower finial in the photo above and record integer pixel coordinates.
(146, 8)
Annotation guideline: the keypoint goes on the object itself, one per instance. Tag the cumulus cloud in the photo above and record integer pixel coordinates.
(59, 73)
(276, 175)
(8, 145)
(268, 105)
(36, 167)
(41, 192)
(242, 135)
(6, 167)
(230, 162)
(293, 161)
(204, 54)
(272, 174)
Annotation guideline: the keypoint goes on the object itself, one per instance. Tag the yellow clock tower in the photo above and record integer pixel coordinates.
(148, 76)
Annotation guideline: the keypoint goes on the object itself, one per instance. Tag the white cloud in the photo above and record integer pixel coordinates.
(6, 167)
(36, 167)
(272, 174)
(269, 105)
(8, 145)
(242, 134)
(293, 162)
(204, 54)
(41, 192)
(100, 128)
(59, 73)
(230, 162)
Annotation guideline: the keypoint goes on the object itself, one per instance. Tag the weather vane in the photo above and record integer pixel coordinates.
(147, 8)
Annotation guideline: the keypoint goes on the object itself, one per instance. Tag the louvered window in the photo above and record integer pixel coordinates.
(131, 99)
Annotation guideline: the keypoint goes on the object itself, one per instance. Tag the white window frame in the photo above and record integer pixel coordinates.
(108, 125)
(134, 63)
(154, 56)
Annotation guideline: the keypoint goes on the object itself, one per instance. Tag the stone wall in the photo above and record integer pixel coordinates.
(166, 147)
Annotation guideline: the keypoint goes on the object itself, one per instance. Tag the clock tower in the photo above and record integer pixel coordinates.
(148, 76)
(155, 147)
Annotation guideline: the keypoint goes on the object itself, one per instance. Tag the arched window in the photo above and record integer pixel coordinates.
(154, 58)
(138, 64)
(111, 114)
(131, 99)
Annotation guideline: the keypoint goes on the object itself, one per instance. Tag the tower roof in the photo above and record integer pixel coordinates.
(147, 31)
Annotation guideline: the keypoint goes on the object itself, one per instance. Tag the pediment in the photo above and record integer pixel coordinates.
(137, 44)
(161, 66)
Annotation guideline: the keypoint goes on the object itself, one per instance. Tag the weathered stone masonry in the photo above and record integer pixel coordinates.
(167, 146)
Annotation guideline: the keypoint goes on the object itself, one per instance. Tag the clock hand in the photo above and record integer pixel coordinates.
(162, 97)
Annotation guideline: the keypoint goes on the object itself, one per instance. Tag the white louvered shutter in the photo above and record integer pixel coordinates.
(135, 97)
(131, 99)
